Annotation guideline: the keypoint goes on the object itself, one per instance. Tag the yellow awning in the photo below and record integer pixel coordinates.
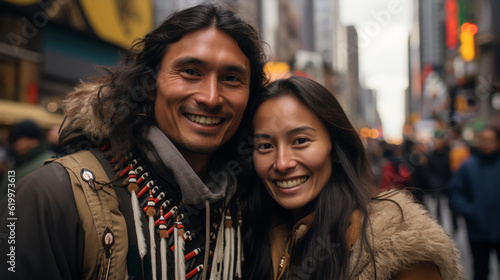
(12, 112)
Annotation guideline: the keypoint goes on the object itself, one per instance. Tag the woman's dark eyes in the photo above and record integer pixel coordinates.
(263, 146)
(300, 141)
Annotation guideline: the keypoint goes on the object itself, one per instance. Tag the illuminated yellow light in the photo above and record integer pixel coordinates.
(467, 46)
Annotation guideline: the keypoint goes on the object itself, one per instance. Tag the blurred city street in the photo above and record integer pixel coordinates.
(419, 79)
(460, 238)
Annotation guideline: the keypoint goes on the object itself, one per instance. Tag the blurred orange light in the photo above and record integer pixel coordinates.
(469, 27)
(365, 132)
(374, 133)
(277, 70)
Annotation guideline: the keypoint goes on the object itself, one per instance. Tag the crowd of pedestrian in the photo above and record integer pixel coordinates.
(447, 172)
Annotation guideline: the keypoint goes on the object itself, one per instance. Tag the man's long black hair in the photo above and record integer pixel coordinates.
(126, 92)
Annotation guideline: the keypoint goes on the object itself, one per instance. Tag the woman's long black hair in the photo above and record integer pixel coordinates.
(323, 253)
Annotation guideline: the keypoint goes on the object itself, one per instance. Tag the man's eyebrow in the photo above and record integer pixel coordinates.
(186, 60)
(189, 60)
(240, 69)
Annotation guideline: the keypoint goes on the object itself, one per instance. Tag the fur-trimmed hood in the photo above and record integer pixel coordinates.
(399, 241)
(81, 115)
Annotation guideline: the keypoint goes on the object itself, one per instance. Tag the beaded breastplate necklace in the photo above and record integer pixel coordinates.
(179, 229)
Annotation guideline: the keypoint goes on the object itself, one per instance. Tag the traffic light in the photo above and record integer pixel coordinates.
(467, 45)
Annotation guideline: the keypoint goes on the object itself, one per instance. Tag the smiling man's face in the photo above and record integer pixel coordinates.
(203, 89)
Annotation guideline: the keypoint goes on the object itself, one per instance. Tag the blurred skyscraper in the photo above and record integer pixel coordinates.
(454, 63)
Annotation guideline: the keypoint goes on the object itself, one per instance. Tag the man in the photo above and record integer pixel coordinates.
(154, 136)
(474, 192)
(29, 149)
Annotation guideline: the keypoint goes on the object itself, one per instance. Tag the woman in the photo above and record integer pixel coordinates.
(316, 213)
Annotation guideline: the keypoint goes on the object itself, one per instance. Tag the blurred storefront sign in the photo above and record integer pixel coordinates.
(451, 23)
(117, 22)
(277, 70)
(48, 46)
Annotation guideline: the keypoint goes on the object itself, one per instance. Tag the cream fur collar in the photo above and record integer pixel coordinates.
(400, 241)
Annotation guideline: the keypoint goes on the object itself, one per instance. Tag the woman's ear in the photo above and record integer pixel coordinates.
(335, 157)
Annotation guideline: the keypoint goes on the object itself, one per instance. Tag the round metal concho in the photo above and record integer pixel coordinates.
(87, 175)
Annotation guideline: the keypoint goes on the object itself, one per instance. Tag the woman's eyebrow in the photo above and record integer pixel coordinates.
(262, 135)
(300, 129)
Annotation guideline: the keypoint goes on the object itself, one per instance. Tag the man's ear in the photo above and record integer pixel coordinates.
(151, 95)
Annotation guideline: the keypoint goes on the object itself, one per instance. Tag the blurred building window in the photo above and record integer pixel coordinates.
(18, 32)
(8, 84)
(19, 58)
(18, 79)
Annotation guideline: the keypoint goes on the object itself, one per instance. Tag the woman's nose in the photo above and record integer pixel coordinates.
(284, 160)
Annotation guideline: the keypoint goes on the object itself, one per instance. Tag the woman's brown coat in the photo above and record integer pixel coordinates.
(407, 243)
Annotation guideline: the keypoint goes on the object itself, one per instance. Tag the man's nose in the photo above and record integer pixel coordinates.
(209, 93)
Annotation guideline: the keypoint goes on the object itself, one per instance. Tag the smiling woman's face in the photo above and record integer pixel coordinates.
(292, 154)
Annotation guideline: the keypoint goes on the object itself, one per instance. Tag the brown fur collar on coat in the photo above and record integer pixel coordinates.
(81, 115)
(401, 241)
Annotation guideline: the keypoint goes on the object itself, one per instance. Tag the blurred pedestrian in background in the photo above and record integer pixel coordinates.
(415, 160)
(53, 138)
(459, 150)
(375, 157)
(475, 194)
(459, 153)
(395, 171)
(28, 150)
(437, 174)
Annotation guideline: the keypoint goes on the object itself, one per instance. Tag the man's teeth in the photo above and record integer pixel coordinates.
(203, 120)
(291, 183)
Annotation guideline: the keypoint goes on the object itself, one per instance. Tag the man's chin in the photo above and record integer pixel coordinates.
(197, 149)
